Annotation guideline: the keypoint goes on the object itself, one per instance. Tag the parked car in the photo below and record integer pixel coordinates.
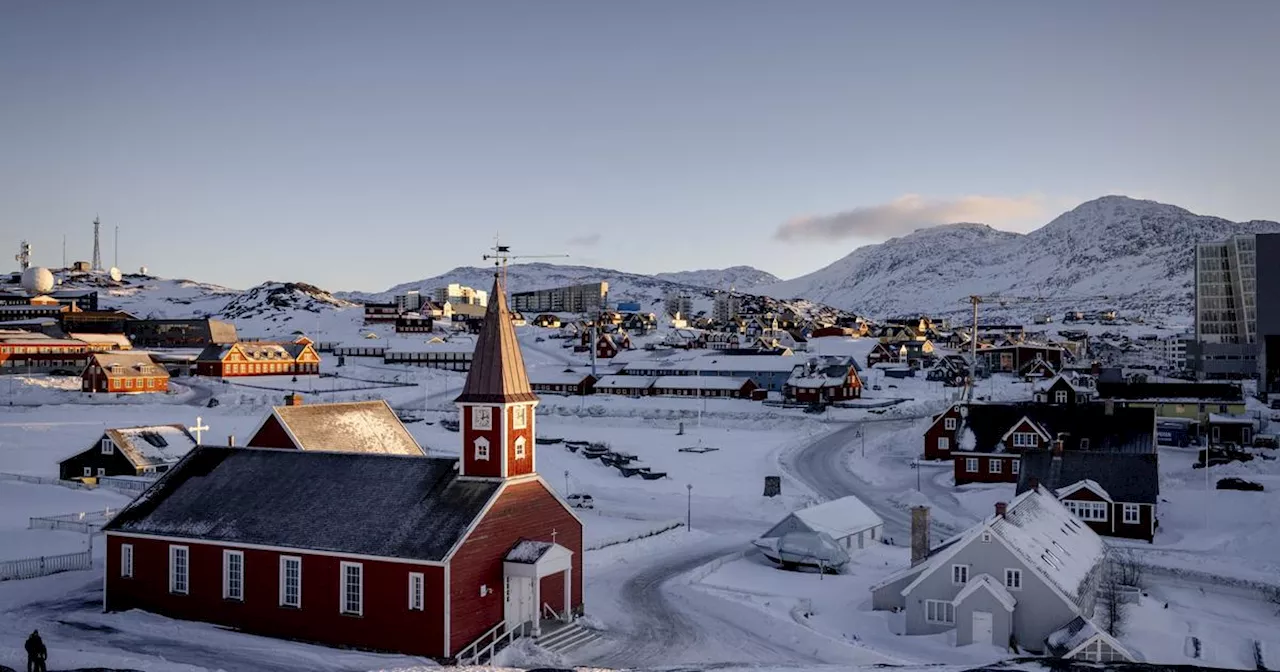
(539, 339)
(580, 500)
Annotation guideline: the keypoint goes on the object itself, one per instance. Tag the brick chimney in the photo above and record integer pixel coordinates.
(1096, 368)
(1001, 507)
(1057, 449)
(919, 534)
(293, 399)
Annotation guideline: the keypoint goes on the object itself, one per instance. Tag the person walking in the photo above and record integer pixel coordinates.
(36, 653)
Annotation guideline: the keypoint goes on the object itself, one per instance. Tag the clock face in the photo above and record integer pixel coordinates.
(482, 417)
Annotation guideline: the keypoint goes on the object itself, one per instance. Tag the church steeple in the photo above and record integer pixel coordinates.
(496, 407)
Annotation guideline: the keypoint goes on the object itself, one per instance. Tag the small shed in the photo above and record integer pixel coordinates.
(1237, 429)
(847, 520)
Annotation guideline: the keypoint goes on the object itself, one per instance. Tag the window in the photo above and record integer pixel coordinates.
(520, 443)
(959, 574)
(971, 465)
(128, 383)
(415, 591)
(232, 575)
(519, 417)
(179, 569)
(481, 417)
(986, 537)
(102, 472)
(1025, 440)
(1015, 467)
(1084, 444)
(1060, 396)
(126, 561)
(88, 472)
(1132, 514)
(290, 581)
(949, 424)
(482, 449)
(996, 466)
(108, 446)
(939, 611)
(1013, 579)
(944, 444)
(352, 588)
(1088, 511)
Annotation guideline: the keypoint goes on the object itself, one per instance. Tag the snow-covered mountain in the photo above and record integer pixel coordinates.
(740, 278)
(272, 299)
(1131, 255)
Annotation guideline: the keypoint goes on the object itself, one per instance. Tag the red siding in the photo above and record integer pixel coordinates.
(525, 510)
(271, 435)
(493, 466)
(552, 590)
(519, 467)
(939, 430)
(1115, 525)
(387, 623)
(984, 474)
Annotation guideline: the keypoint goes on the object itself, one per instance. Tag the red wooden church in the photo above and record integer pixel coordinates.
(421, 555)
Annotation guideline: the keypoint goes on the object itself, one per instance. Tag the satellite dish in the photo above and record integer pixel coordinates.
(37, 280)
(114, 274)
(142, 271)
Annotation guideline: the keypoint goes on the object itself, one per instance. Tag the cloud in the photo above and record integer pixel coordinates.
(586, 240)
(909, 213)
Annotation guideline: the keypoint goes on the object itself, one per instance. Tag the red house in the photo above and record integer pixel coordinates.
(819, 383)
(425, 556)
(123, 373)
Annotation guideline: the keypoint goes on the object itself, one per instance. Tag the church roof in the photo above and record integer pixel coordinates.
(379, 505)
(497, 372)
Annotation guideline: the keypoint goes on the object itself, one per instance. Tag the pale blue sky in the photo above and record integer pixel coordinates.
(360, 144)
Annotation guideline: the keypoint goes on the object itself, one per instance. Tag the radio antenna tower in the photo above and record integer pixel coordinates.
(23, 257)
(97, 249)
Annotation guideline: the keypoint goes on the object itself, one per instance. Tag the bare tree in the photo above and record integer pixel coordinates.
(1120, 574)
(1129, 571)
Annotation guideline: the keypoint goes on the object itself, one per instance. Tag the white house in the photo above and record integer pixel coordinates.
(850, 522)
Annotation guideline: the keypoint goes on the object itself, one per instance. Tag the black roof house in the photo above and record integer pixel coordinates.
(394, 506)
(1118, 430)
(1127, 477)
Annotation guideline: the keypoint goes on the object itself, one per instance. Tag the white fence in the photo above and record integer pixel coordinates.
(87, 522)
(43, 480)
(51, 564)
(126, 485)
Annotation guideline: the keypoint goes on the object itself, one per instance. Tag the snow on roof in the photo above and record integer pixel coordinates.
(1050, 539)
(34, 338)
(1086, 483)
(1072, 381)
(625, 382)
(527, 551)
(349, 427)
(738, 363)
(119, 340)
(127, 364)
(839, 517)
(1071, 635)
(699, 382)
(988, 583)
(1222, 419)
(543, 377)
(153, 445)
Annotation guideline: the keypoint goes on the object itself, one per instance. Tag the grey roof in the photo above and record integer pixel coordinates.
(1215, 392)
(497, 373)
(1129, 430)
(151, 446)
(349, 427)
(380, 505)
(527, 551)
(1132, 478)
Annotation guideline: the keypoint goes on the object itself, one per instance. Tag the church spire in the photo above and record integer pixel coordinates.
(497, 374)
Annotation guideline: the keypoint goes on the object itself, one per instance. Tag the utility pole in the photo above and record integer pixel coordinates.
(688, 525)
(116, 248)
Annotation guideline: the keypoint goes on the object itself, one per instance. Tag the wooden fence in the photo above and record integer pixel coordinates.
(29, 568)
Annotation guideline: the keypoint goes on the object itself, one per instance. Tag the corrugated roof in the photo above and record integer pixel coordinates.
(839, 517)
(699, 383)
(349, 427)
(497, 373)
(380, 505)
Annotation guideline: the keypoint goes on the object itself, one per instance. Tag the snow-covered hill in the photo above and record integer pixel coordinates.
(1131, 255)
(740, 278)
(274, 298)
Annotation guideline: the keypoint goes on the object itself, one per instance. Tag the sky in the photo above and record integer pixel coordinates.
(356, 145)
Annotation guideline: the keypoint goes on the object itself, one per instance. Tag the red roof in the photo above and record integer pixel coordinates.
(497, 372)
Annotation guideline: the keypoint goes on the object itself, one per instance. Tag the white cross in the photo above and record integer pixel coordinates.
(553, 535)
(199, 429)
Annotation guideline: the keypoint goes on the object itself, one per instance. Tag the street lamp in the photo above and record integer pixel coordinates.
(688, 525)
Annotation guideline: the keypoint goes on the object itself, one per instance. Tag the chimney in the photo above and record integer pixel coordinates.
(1109, 407)
(1057, 449)
(231, 441)
(293, 399)
(1097, 368)
(1055, 468)
(1033, 483)
(1001, 507)
(919, 534)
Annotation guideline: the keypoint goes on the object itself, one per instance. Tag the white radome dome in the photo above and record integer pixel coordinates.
(114, 274)
(142, 271)
(37, 280)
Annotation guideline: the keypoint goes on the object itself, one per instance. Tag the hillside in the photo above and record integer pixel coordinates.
(1131, 255)
(740, 278)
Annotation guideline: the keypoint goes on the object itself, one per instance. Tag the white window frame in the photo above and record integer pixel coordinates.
(478, 412)
(179, 583)
(108, 446)
(521, 450)
(1026, 440)
(126, 561)
(939, 611)
(285, 560)
(1013, 579)
(102, 471)
(986, 537)
(345, 587)
(1092, 512)
(519, 416)
(88, 472)
(1084, 444)
(1015, 467)
(1135, 510)
(1060, 397)
(944, 444)
(959, 575)
(482, 449)
(971, 465)
(949, 424)
(417, 591)
(995, 465)
(232, 587)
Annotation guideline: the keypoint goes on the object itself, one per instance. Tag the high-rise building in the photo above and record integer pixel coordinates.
(1267, 300)
(587, 298)
(679, 303)
(459, 294)
(726, 307)
(1235, 299)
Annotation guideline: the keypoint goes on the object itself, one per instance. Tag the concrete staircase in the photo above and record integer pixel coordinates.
(567, 638)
